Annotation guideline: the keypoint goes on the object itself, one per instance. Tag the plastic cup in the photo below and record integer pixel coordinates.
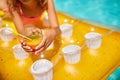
(6, 34)
(35, 40)
(93, 40)
(71, 54)
(42, 70)
(46, 21)
(19, 52)
(66, 30)
(29, 28)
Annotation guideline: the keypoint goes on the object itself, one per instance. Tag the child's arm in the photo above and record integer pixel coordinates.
(21, 29)
(3, 4)
(18, 22)
(49, 34)
(53, 17)
(52, 14)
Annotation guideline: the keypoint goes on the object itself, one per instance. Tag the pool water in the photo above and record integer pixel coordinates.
(103, 11)
(115, 75)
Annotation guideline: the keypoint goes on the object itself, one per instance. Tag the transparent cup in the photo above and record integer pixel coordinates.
(46, 21)
(19, 52)
(66, 30)
(71, 54)
(6, 34)
(93, 40)
(34, 41)
(42, 70)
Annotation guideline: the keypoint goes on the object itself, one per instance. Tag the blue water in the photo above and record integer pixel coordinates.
(115, 75)
(103, 11)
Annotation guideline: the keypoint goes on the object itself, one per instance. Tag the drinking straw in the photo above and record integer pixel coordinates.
(21, 35)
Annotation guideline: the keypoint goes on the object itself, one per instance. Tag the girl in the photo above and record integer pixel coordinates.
(3, 7)
(3, 4)
(29, 11)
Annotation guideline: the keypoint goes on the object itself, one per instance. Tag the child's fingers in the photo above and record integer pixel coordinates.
(39, 51)
(37, 31)
(22, 41)
(27, 48)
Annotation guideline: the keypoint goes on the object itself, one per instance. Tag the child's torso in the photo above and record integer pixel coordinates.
(36, 21)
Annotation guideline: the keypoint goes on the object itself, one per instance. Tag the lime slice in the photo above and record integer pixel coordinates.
(33, 36)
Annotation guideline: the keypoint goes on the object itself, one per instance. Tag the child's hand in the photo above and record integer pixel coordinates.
(48, 35)
(32, 31)
(24, 46)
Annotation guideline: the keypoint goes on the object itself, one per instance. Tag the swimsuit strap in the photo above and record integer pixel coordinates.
(20, 9)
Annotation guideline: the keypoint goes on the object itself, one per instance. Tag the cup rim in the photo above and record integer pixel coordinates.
(17, 45)
(4, 28)
(65, 28)
(90, 33)
(36, 72)
(78, 48)
(68, 24)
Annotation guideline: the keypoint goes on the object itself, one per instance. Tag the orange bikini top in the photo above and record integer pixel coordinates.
(27, 19)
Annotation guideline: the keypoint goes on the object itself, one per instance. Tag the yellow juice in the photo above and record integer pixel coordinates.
(35, 40)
